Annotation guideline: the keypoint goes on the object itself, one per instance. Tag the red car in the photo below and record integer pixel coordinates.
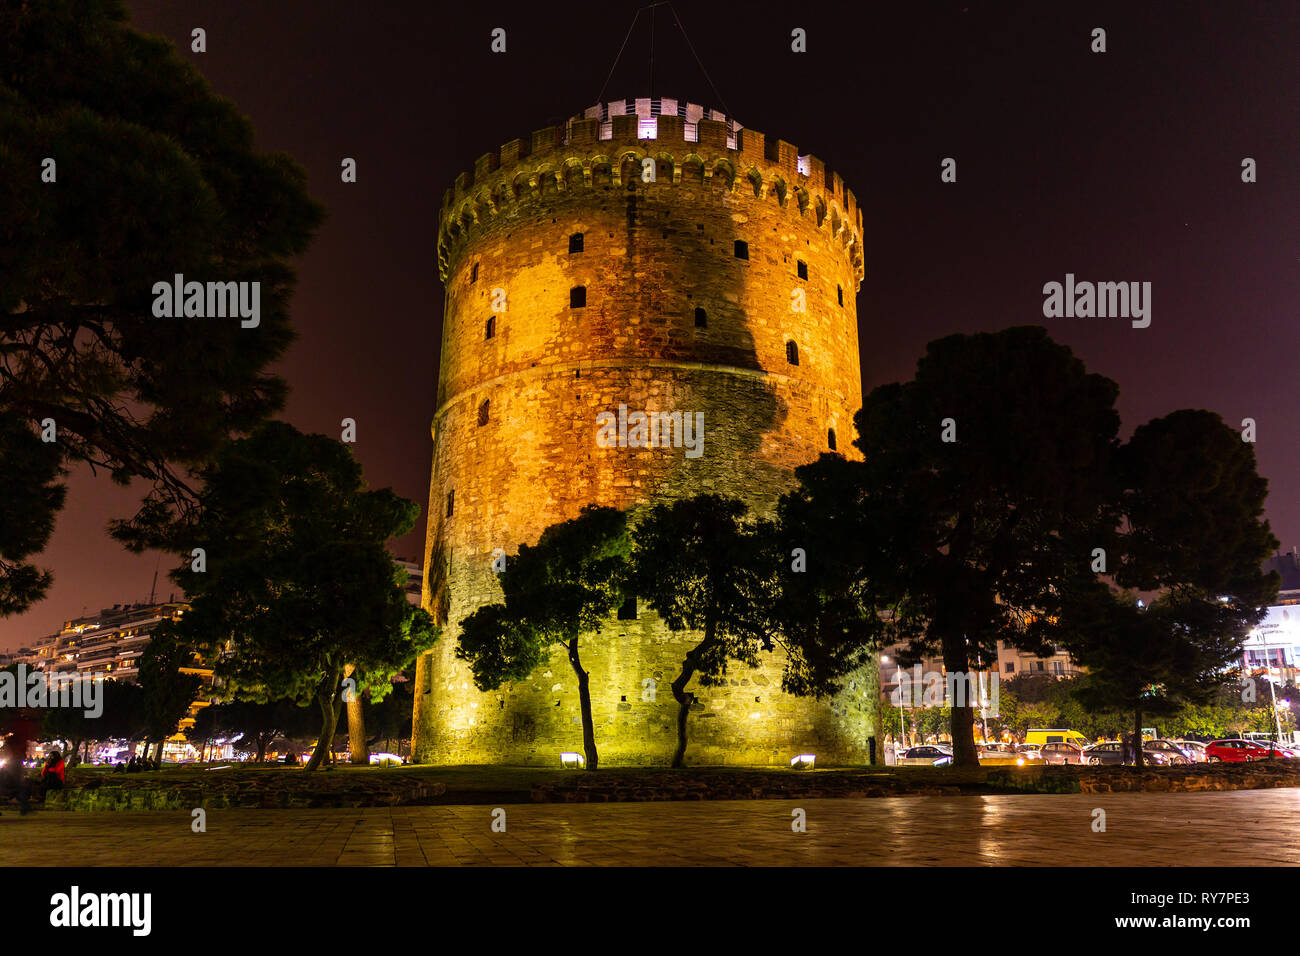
(1239, 751)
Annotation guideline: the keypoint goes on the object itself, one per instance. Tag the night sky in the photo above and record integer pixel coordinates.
(1122, 166)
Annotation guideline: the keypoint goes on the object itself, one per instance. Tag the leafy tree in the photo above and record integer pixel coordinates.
(1192, 532)
(390, 718)
(821, 605)
(154, 175)
(981, 479)
(166, 690)
(299, 581)
(257, 724)
(565, 586)
(30, 496)
(702, 569)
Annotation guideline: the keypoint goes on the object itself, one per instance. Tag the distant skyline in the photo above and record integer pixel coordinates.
(1116, 166)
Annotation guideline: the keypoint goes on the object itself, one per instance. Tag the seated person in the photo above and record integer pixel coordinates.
(52, 774)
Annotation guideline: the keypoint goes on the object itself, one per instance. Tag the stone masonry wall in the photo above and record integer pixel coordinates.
(652, 253)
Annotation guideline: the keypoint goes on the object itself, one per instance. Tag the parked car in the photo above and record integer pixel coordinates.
(1236, 751)
(927, 755)
(1106, 753)
(1284, 751)
(1170, 751)
(1031, 752)
(1062, 753)
(1194, 749)
(996, 755)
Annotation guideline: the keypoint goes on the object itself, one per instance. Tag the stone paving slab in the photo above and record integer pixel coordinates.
(1235, 828)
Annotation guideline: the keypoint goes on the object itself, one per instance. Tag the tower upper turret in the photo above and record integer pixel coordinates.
(610, 139)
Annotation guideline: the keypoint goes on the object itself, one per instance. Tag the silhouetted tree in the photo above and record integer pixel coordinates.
(1192, 532)
(703, 569)
(154, 174)
(564, 587)
(983, 479)
(299, 581)
(166, 690)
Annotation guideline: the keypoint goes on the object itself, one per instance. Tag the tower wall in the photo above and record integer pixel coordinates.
(652, 254)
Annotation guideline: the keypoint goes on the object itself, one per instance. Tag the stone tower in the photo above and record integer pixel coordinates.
(719, 278)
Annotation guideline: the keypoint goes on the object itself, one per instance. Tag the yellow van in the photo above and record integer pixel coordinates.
(1041, 736)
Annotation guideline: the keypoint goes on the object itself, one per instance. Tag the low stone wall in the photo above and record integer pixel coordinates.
(242, 789)
(924, 781)
(268, 788)
(1196, 777)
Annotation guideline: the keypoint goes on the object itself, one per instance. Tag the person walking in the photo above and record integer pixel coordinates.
(22, 730)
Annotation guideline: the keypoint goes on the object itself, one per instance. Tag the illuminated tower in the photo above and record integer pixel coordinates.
(719, 278)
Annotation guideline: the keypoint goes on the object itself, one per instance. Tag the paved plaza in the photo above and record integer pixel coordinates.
(1237, 828)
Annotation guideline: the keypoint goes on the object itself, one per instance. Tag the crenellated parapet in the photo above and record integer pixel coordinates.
(606, 146)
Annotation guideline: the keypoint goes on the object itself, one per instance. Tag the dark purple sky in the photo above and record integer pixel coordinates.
(1122, 166)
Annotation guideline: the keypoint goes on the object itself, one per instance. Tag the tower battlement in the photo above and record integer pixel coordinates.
(688, 142)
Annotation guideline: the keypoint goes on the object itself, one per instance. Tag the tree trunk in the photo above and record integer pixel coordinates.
(962, 725)
(262, 741)
(880, 726)
(327, 695)
(684, 699)
(1137, 738)
(584, 701)
(358, 752)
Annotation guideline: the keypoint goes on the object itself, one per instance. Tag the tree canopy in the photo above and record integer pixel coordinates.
(557, 591)
(120, 168)
(298, 581)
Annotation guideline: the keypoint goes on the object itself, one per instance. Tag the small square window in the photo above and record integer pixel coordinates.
(1011, 667)
(627, 610)
(490, 328)
(575, 242)
(742, 249)
(802, 268)
(701, 319)
(578, 297)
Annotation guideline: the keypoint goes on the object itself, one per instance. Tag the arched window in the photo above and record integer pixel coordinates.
(575, 242)
(701, 318)
(578, 297)
(490, 328)
(830, 438)
(792, 352)
(483, 411)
